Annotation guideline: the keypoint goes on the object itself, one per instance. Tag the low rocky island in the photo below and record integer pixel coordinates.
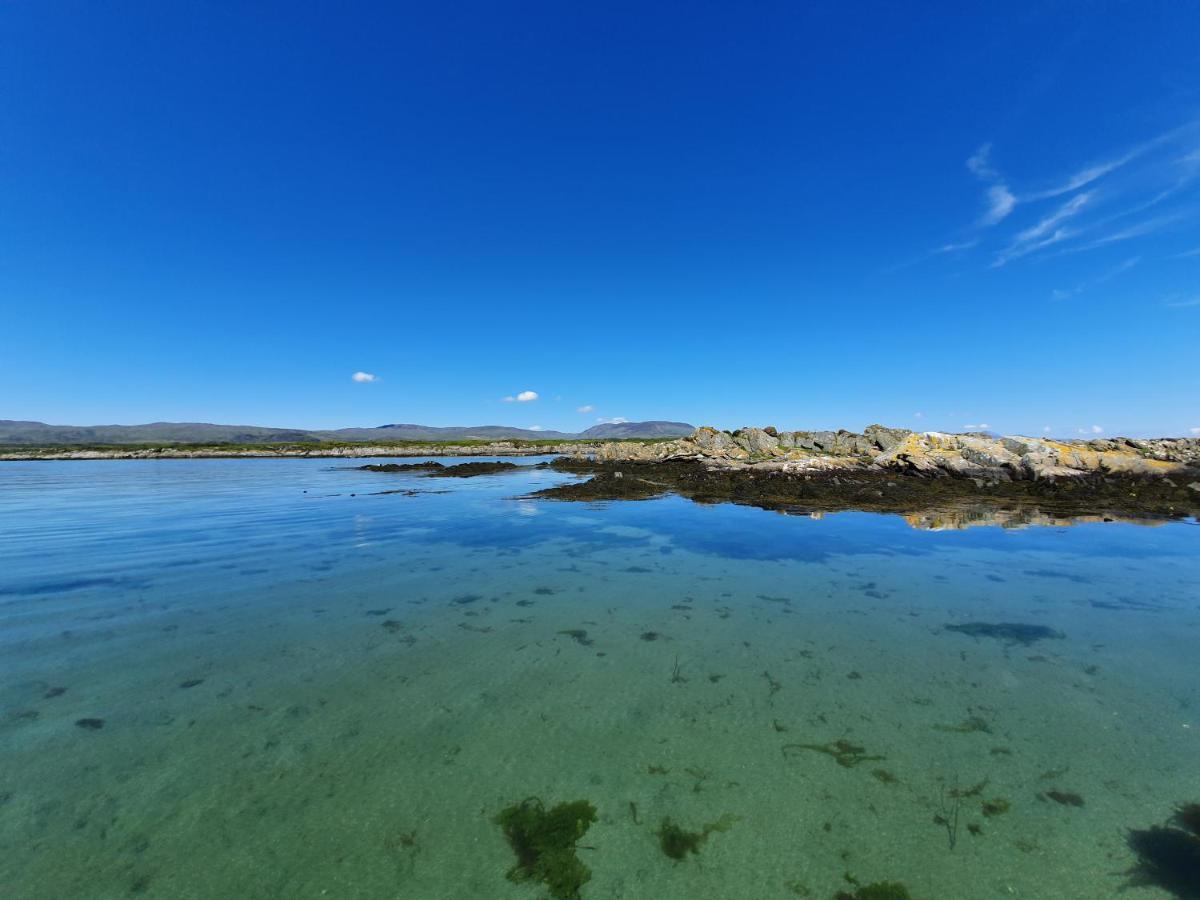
(953, 479)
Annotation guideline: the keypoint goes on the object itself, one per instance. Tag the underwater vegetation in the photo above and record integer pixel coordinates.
(879, 890)
(677, 843)
(1009, 632)
(995, 807)
(1063, 798)
(90, 724)
(1169, 855)
(846, 754)
(967, 726)
(544, 842)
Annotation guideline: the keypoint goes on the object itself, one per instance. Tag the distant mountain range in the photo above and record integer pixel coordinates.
(37, 434)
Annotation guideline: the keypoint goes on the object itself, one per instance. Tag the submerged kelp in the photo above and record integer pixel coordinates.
(544, 842)
(677, 843)
(1009, 632)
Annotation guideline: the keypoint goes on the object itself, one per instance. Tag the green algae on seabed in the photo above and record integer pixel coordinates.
(544, 842)
(678, 843)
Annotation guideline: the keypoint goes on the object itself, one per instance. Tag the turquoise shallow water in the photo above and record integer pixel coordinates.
(293, 685)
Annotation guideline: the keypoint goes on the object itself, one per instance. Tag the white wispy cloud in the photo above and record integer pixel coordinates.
(523, 397)
(1119, 269)
(536, 428)
(982, 426)
(1187, 253)
(1140, 229)
(1071, 208)
(1179, 301)
(1095, 429)
(1102, 201)
(586, 408)
(1000, 200)
(1045, 232)
(955, 247)
(364, 377)
(615, 420)
(1086, 176)
(979, 163)
(1194, 430)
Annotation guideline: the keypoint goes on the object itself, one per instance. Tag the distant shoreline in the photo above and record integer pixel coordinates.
(356, 451)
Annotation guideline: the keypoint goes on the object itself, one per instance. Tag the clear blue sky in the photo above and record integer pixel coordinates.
(982, 214)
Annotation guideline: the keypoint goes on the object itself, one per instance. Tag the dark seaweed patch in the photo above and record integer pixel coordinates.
(1168, 858)
(90, 724)
(1009, 632)
(1063, 798)
(41, 588)
(677, 843)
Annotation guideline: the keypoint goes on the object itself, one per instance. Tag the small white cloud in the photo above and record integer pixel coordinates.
(364, 377)
(523, 397)
(982, 426)
(1194, 430)
(536, 428)
(1047, 430)
(615, 420)
(1095, 429)
(1059, 294)
(918, 415)
(586, 408)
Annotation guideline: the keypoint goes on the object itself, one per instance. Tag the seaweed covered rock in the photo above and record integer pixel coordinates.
(544, 842)
(471, 469)
(402, 467)
(604, 486)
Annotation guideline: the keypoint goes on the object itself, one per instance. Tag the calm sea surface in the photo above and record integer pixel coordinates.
(292, 678)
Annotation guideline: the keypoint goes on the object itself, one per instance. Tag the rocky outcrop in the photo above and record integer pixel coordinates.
(928, 453)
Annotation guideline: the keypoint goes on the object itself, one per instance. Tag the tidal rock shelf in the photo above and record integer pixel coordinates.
(942, 480)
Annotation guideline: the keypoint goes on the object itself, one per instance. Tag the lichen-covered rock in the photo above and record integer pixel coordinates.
(976, 456)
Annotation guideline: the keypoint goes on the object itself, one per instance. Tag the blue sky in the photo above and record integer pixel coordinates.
(719, 213)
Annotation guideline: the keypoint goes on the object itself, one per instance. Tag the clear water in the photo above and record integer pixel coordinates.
(311, 689)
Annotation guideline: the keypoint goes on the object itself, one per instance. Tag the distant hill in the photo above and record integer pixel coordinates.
(36, 434)
(613, 431)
